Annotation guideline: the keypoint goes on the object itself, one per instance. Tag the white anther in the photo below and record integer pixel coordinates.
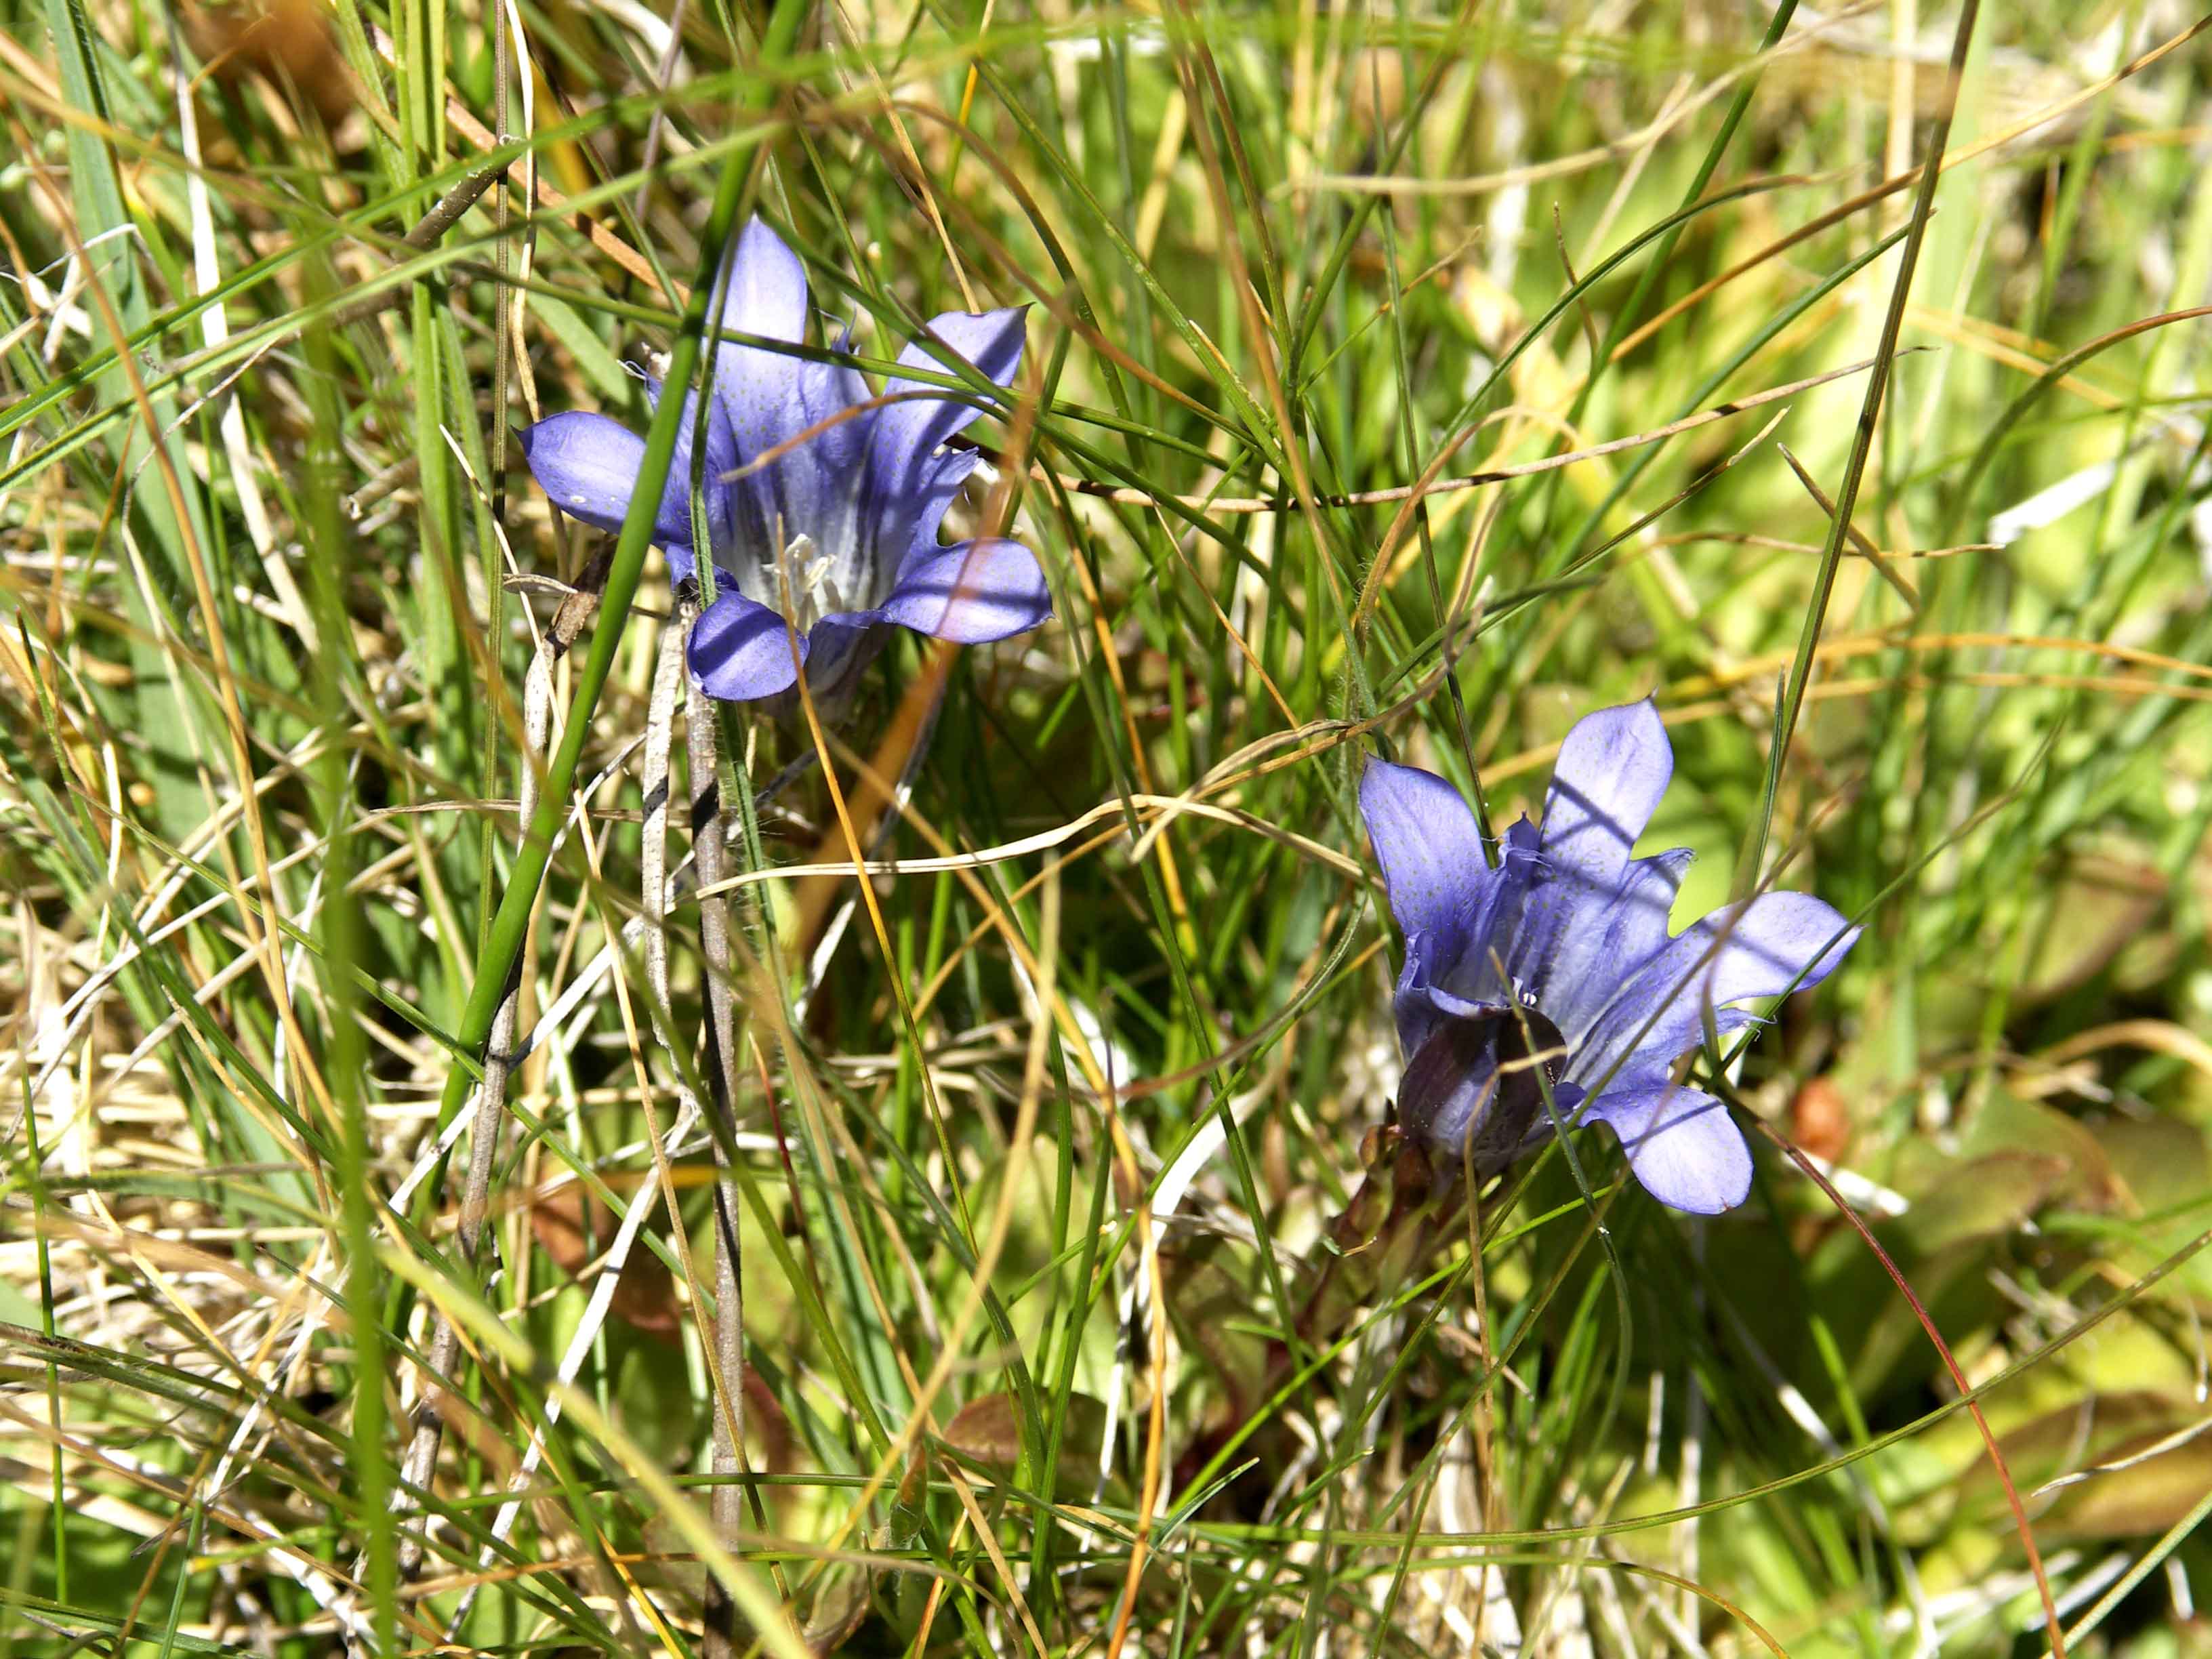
(812, 576)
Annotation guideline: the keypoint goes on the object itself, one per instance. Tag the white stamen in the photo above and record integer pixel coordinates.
(814, 593)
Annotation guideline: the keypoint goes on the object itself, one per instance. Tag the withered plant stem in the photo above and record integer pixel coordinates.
(721, 1073)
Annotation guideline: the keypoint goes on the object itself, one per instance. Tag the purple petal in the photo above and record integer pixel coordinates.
(1451, 1005)
(1611, 771)
(971, 591)
(1682, 1145)
(1758, 949)
(771, 398)
(766, 296)
(903, 465)
(991, 340)
(907, 517)
(817, 487)
(1598, 942)
(586, 464)
(1487, 970)
(1431, 852)
(713, 494)
(1417, 1013)
(766, 293)
(741, 650)
(1457, 985)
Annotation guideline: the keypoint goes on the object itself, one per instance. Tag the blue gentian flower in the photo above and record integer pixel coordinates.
(832, 537)
(1559, 959)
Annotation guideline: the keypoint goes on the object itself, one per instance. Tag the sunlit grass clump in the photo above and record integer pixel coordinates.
(1105, 832)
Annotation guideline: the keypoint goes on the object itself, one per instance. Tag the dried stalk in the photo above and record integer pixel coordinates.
(675, 889)
(721, 1069)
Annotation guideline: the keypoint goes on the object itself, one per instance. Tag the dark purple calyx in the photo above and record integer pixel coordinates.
(1473, 1093)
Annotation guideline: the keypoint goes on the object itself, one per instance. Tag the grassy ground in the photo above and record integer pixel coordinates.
(1040, 1143)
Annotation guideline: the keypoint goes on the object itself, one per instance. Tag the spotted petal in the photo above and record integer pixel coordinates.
(799, 450)
(765, 295)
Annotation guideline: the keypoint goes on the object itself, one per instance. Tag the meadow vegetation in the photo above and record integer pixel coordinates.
(1021, 1220)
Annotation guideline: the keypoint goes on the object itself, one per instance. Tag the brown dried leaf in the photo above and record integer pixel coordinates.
(573, 1232)
(841, 1606)
(988, 1429)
